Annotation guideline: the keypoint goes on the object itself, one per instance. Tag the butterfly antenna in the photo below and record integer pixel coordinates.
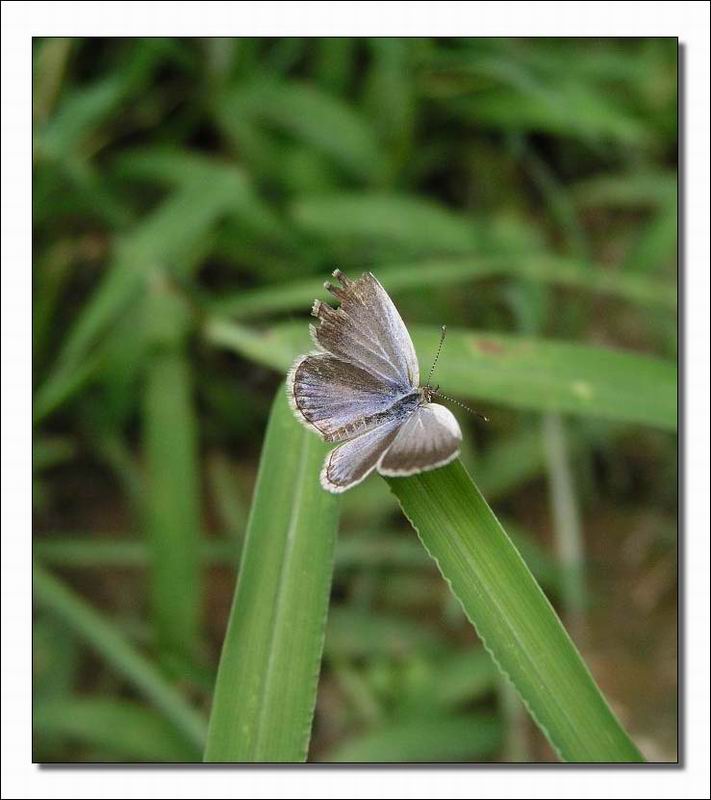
(436, 358)
(437, 393)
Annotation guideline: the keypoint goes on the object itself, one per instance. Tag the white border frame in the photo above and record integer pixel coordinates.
(22, 20)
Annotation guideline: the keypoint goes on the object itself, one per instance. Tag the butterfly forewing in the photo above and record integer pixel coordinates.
(335, 397)
(367, 331)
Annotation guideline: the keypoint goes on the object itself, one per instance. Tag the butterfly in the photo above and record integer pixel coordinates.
(361, 390)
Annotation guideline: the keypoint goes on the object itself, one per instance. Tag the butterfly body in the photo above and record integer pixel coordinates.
(360, 389)
(399, 410)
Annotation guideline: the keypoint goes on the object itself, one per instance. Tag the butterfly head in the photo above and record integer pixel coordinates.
(428, 393)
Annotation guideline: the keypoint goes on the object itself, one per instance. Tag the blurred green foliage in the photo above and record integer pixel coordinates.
(189, 198)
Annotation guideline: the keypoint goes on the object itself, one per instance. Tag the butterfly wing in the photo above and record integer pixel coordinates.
(429, 438)
(351, 462)
(367, 331)
(335, 396)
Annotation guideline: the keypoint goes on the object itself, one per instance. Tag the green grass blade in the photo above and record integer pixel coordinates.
(51, 451)
(74, 127)
(315, 118)
(88, 551)
(334, 58)
(633, 189)
(572, 109)
(266, 684)
(188, 171)
(387, 552)
(167, 238)
(512, 615)
(127, 730)
(63, 385)
(100, 634)
(465, 737)
(656, 245)
(172, 504)
(516, 371)
(567, 522)
(547, 375)
(49, 72)
(80, 115)
(544, 268)
(410, 225)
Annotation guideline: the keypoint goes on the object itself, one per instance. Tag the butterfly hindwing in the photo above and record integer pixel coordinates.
(429, 438)
(351, 462)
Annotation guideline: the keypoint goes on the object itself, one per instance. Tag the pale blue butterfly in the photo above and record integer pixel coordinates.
(361, 388)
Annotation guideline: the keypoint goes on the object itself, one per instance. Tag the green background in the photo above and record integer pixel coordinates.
(189, 198)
